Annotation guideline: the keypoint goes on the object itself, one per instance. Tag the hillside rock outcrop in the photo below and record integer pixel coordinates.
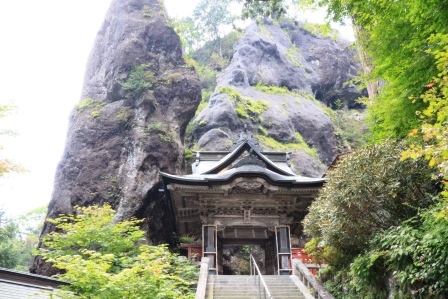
(138, 98)
(278, 83)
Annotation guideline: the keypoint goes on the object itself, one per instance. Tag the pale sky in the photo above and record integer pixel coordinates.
(44, 49)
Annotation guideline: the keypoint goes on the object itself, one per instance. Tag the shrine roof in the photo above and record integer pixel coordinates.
(245, 158)
(250, 170)
(214, 162)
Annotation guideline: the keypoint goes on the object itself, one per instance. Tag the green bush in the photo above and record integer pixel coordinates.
(369, 191)
(89, 103)
(188, 154)
(244, 106)
(102, 258)
(124, 115)
(138, 81)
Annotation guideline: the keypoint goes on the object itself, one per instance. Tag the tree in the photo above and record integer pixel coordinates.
(6, 165)
(9, 257)
(103, 259)
(190, 35)
(432, 142)
(210, 15)
(19, 237)
(368, 192)
(27, 238)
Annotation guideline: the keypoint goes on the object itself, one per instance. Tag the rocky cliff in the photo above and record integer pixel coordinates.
(280, 83)
(137, 100)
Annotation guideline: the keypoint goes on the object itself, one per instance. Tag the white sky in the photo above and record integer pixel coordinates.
(44, 49)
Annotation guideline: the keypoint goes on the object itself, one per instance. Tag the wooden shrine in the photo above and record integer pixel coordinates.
(242, 196)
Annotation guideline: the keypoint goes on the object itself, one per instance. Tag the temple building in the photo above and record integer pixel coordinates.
(243, 196)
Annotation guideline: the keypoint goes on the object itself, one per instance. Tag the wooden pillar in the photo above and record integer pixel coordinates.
(283, 243)
(209, 245)
(269, 256)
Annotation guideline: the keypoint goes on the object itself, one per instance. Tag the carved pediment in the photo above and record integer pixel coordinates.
(248, 187)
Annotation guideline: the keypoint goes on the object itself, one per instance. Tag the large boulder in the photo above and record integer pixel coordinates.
(137, 100)
(280, 83)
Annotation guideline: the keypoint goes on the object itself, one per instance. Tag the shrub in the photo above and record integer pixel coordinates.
(106, 259)
(89, 103)
(368, 192)
(245, 107)
(124, 115)
(138, 81)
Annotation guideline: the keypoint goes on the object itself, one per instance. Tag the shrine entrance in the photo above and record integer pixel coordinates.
(276, 247)
(243, 196)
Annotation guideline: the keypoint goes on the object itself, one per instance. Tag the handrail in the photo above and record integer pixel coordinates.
(202, 280)
(256, 272)
(310, 281)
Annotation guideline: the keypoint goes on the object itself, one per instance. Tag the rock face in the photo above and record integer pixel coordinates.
(270, 85)
(138, 98)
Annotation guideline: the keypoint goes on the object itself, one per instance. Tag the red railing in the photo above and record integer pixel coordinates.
(308, 261)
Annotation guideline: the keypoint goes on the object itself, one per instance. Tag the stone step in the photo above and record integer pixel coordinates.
(245, 287)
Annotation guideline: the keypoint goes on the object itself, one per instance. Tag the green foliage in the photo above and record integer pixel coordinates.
(278, 146)
(204, 101)
(208, 77)
(190, 35)
(146, 11)
(322, 30)
(6, 109)
(168, 137)
(159, 128)
(9, 255)
(263, 9)
(293, 53)
(139, 81)
(6, 165)
(155, 126)
(265, 32)
(210, 16)
(263, 131)
(369, 191)
(320, 253)
(350, 125)
(395, 37)
(204, 54)
(272, 89)
(416, 253)
(245, 107)
(188, 154)
(88, 104)
(19, 238)
(124, 115)
(105, 259)
(433, 135)
(173, 78)
(217, 62)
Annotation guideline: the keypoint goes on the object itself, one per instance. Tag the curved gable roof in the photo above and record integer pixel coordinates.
(236, 153)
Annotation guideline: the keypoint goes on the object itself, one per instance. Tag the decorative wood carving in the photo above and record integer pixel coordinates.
(248, 187)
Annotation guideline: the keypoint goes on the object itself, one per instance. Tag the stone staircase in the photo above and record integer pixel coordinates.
(243, 287)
